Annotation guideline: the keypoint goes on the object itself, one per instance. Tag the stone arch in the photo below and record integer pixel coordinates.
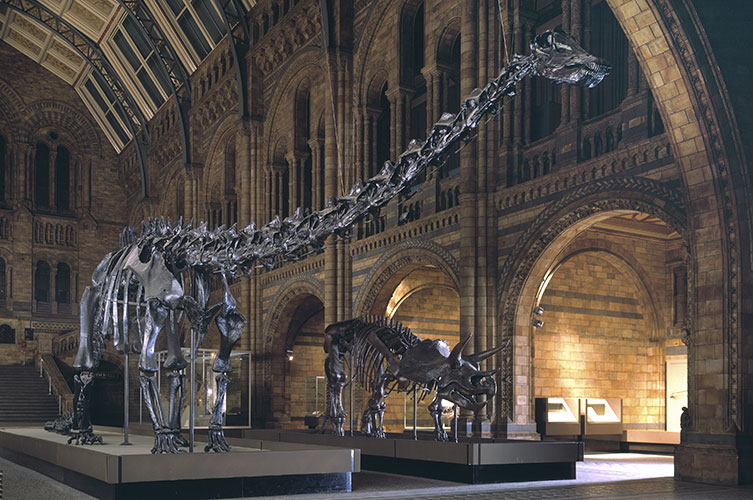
(403, 256)
(545, 239)
(214, 164)
(285, 300)
(141, 212)
(304, 65)
(372, 93)
(11, 107)
(276, 342)
(365, 56)
(446, 41)
(684, 77)
(53, 114)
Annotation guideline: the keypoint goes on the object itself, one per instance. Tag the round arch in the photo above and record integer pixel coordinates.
(545, 243)
(394, 265)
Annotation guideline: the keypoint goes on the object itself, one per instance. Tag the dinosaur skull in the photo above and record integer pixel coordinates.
(458, 378)
(560, 58)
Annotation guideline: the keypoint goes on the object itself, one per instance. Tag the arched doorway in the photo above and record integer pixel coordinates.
(425, 299)
(606, 308)
(300, 351)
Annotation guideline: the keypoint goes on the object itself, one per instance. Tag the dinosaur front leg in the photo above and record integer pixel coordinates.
(230, 323)
(165, 440)
(435, 410)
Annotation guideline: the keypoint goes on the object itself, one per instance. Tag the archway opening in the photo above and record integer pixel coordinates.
(613, 307)
(304, 355)
(424, 299)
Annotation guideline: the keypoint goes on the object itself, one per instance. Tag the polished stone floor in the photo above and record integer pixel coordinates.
(600, 476)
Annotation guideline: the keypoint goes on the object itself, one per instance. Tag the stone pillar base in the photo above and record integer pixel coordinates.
(714, 463)
(474, 427)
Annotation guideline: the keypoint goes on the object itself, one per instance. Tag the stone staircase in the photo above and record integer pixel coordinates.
(24, 396)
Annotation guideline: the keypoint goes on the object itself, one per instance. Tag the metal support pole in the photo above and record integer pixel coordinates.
(350, 411)
(49, 384)
(455, 423)
(126, 394)
(41, 361)
(193, 392)
(60, 404)
(415, 409)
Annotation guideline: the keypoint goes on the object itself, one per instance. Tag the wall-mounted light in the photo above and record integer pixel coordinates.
(538, 311)
(289, 353)
(537, 323)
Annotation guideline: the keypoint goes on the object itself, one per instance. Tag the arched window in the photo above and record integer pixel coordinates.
(63, 284)
(608, 41)
(62, 179)
(452, 105)
(418, 101)
(303, 167)
(3, 294)
(7, 335)
(42, 176)
(418, 40)
(382, 132)
(42, 282)
(3, 153)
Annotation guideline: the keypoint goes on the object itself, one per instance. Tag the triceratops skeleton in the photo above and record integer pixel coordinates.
(167, 269)
(385, 356)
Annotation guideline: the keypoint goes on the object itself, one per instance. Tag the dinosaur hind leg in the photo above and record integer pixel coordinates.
(373, 417)
(175, 362)
(86, 363)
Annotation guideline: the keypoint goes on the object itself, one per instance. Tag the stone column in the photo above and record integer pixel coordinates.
(243, 172)
(468, 200)
(293, 161)
(330, 189)
(317, 170)
(565, 89)
(576, 30)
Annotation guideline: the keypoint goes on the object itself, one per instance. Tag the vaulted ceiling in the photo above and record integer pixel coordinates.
(125, 58)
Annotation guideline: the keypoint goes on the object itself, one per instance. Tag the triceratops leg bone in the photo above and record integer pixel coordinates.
(435, 410)
(217, 440)
(81, 431)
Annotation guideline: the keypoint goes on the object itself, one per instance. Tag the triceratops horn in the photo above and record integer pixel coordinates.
(458, 349)
(477, 358)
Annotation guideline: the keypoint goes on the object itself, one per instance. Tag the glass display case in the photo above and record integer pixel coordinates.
(237, 407)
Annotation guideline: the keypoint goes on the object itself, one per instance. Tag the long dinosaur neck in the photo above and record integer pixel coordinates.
(289, 239)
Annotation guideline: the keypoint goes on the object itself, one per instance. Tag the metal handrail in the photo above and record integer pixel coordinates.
(56, 383)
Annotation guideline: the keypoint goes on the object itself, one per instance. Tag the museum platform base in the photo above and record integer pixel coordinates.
(253, 467)
(471, 461)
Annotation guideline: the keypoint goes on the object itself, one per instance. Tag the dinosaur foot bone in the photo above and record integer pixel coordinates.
(217, 442)
(168, 441)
